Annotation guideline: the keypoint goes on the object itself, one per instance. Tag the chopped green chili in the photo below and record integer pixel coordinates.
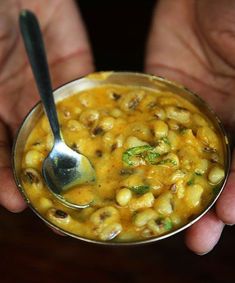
(140, 190)
(164, 224)
(168, 225)
(144, 152)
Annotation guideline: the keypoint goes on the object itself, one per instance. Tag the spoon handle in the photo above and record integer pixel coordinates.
(34, 45)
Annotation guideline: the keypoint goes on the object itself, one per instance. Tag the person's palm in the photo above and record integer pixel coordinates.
(68, 55)
(193, 42)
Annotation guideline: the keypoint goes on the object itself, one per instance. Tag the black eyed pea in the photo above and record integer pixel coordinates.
(163, 204)
(173, 125)
(176, 219)
(208, 137)
(193, 195)
(181, 115)
(216, 175)
(87, 99)
(86, 213)
(176, 176)
(74, 125)
(160, 129)
(141, 131)
(147, 233)
(170, 160)
(45, 203)
(119, 140)
(89, 117)
(64, 113)
(133, 142)
(58, 216)
(148, 102)
(131, 100)
(116, 112)
(202, 166)
(132, 181)
(153, 227)
(32, 177)
(107, 123)
(33, 158)
(159, 113)
(110, 232)
(104, 216)
(142, 217)
(113, 94)
(144, 201)
(180, 189)
(108, 139)
(174, 139)
(162, 147)
(123, 196)
(159, 226)
(189, 138)
(215, 158)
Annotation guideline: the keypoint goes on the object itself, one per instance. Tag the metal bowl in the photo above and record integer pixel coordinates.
(119, 78)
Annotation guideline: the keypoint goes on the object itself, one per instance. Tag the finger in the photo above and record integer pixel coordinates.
(67, 45)
(56, 231)
(204, 234)
(225, 207)
(10, 197)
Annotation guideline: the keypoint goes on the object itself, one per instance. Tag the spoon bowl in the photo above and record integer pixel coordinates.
(63, 168)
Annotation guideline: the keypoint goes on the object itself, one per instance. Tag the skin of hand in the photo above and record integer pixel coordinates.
(69, 57)
(193, 42)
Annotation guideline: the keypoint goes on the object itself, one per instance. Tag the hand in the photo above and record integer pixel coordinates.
(69, 57)
(193, 42)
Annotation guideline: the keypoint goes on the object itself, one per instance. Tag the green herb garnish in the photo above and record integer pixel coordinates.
(144, 152)
(140, 190)
(198, 173)
(166, 140)
(191, 182)
(168, 225)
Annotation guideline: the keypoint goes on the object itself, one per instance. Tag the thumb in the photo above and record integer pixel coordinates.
(10, 197)
(216, 22)
(68, 46)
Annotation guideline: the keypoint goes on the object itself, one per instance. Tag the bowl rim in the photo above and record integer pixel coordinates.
(99, 76)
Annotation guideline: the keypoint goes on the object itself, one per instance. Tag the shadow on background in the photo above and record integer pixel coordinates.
(31, 252)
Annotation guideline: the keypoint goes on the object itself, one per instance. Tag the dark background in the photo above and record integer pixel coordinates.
(118, 31)
(31, 252)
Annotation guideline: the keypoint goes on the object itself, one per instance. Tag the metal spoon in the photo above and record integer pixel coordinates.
(63, 168)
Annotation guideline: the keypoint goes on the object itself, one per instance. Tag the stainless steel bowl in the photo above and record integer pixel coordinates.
(119, 78)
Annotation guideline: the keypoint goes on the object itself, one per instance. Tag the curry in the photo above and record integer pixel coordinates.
(158, 159)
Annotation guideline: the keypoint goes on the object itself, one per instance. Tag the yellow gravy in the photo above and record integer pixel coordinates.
(158, 163)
